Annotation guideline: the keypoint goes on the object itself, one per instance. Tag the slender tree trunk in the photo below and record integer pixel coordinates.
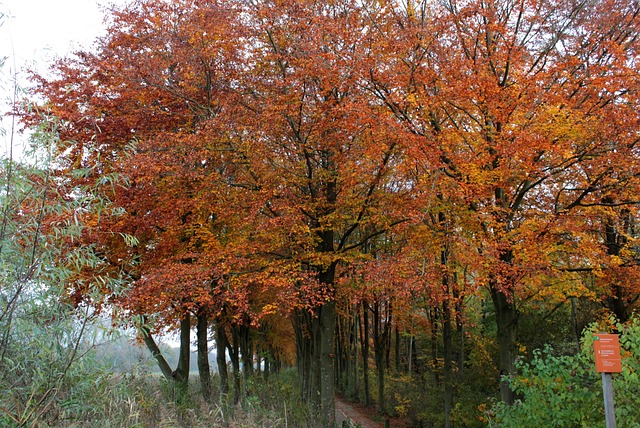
(387, 334)
(164, 366)
(409, 353)
(397, 348)
(434, 345)
(447, 333)
(340, 354)
(348, 350)
(246, 352)
(180, 376)
(459, 305)
(303, 352)
(258, 354)
(276, 365)
(203, 356)
(356, 323)
(267, 365)
(378, 348)
(447, 336)
(344, 351)
(234, 354)
(365, 353)
(221, 359)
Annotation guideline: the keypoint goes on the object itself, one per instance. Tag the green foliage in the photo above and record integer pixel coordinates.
(567, 391)
(418, 398)
(46, 366)
(276, 401)
(542, 324)
(408, 398)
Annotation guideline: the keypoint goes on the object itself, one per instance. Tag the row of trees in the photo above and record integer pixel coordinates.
(356, 168)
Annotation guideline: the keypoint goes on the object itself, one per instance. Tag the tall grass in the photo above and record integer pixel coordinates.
(145, 400)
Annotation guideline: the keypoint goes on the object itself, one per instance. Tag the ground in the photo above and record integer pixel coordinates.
(360, 416)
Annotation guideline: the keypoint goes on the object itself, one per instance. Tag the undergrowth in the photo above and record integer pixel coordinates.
(146, 400)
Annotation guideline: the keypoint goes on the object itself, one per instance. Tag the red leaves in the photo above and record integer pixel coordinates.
(274, 141)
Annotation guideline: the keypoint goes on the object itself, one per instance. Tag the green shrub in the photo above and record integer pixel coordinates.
(567, 391)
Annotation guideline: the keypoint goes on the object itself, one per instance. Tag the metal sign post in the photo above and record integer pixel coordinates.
(609, 410)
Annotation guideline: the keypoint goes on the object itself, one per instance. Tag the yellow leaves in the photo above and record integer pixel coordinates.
(269, 309)
(615, 261)
(404, 403)
(482, 411)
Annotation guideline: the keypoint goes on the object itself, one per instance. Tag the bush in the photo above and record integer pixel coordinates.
(567, 390)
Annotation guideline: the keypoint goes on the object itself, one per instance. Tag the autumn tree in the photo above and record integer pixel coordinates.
(252, 152)
(258, 151)
(318, 157)
(524, 113)
(135, 108)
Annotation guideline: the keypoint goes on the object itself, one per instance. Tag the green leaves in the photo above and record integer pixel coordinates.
(566, 390)
(43, 330)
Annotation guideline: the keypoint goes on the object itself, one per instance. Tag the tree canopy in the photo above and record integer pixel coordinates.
(280, 157)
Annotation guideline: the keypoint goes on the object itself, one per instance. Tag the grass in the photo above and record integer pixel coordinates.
(146, 400)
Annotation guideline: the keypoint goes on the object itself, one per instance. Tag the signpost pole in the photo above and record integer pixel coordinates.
(607, 389)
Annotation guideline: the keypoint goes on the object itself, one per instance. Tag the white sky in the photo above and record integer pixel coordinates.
(34, 32)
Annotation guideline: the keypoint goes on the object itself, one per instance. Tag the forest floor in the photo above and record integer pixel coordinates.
(361, 416)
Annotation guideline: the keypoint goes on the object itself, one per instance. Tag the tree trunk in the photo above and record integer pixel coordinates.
(387, 334)
(165, 368)
(356, 323)
(180, 376)
(343, 351)
(184, 358)
(410, 354)
(348, 357)
(221, 359)
(616, 299)
(447, 333)
(246, 352)
(303, 352)
(460, 356)
(365, 353)
(447, 336)
(234, 354)
(185, 348)
(325, 331)
(379, 352)
(506, 320)
(433, 317)
(315, 349)
(267, 363)
(203, 356)
(397, 349)
(340, 355)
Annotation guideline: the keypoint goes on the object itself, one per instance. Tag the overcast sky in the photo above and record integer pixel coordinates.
(34, 32)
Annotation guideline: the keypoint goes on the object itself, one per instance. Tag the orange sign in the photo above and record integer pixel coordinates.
(606, 348)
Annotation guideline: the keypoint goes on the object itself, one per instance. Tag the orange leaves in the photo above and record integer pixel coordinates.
(280, 145)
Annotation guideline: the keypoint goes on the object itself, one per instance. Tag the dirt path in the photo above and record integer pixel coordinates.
(346, 411)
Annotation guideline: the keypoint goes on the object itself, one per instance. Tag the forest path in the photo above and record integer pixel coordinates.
(349, 412)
